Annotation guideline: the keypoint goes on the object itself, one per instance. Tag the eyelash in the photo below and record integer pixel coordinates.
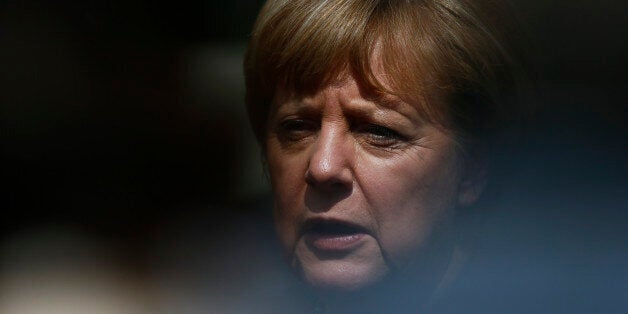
(381, 136)
(294, 130)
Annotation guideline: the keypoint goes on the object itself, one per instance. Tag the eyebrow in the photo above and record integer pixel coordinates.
(388, 101)
(366, 106)
(383, 103)
(298, 106)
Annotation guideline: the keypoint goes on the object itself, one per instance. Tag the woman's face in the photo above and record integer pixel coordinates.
(359, 184)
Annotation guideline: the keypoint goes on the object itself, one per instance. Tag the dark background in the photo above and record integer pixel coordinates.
(119, 119)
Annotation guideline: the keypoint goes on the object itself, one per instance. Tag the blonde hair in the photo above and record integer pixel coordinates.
(460, 52)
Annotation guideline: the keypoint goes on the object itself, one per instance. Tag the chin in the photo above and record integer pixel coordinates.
(342, 274)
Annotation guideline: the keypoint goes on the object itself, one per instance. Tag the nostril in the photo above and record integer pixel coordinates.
(336, 182)
(323, 196)
(309, 178)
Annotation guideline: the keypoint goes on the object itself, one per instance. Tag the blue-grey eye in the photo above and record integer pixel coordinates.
(380, 135)
(381, 131)
(295, 125)
(296, 129)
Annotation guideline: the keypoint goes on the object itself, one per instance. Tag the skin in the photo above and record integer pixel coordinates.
(373, 162)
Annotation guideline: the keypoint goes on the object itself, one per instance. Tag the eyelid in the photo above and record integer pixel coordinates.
(381, 136)
(375, 128)
(297, 122)
(293, 109)
(294, 129)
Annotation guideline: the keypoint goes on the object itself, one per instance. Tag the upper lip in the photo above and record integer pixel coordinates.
(322, 224)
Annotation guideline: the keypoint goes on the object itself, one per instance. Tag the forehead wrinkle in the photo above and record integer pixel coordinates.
(347, 78)
(299, 98)
(292, 106)
(382, 90)
(363, 104)
(379, 106)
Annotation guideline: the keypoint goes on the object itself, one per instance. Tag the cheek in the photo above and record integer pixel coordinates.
(288, 187)
(410, 198)
(283, 170)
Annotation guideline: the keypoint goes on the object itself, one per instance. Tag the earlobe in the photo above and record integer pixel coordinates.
(473, 181)
(470, 192)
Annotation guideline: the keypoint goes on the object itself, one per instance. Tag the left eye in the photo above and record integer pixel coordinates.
(381, 136)
(293, 130)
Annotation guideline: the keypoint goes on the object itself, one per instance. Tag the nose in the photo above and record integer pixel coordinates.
(329, 166)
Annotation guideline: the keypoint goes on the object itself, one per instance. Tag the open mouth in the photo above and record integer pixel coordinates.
(332, 235)
(331, 227)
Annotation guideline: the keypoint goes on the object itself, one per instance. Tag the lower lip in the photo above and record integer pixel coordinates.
(335, 242)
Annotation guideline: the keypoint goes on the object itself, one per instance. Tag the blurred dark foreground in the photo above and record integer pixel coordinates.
(133, 184)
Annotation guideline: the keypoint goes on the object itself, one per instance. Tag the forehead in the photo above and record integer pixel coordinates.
(378, 73)
(350, 96)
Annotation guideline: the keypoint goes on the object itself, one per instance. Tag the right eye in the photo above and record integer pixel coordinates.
(296, 129)
(381, 136)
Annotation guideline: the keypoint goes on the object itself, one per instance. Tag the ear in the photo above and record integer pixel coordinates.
(474, 176)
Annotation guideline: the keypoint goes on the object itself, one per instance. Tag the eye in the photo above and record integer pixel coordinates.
(381, 136)
(296, 129)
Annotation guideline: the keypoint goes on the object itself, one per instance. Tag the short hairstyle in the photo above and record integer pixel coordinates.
(456, 60)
